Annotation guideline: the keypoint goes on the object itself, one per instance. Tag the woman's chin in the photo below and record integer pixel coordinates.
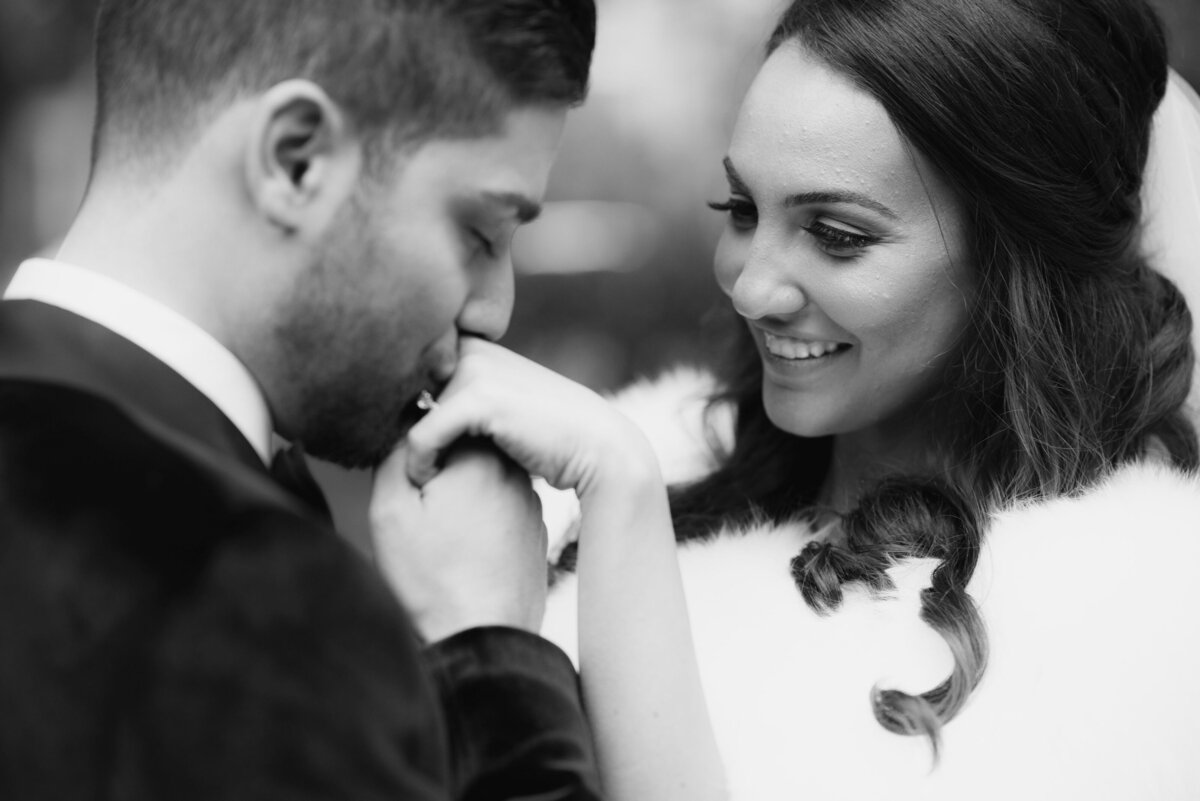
(799, 422)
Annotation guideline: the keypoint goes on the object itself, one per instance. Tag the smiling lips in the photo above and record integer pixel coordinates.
(799, 350)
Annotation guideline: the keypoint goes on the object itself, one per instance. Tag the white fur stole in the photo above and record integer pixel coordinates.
(1091, 691)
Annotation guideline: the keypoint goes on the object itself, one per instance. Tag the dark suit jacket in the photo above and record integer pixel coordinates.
(176, 625)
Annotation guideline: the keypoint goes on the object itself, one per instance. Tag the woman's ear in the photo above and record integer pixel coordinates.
(302, 159)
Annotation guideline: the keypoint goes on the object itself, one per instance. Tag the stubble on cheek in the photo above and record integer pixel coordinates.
(359, 417)
(348, 383)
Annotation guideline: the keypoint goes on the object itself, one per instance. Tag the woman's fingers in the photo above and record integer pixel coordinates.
(455, 416)
(549, 425)
(479, 401)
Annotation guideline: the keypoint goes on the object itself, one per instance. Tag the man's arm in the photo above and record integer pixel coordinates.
(286, 671)
(516, 725)
(466, 554)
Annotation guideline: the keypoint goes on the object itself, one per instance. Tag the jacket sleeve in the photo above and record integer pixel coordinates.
(286, 671)
(514, 718)
(290, 672)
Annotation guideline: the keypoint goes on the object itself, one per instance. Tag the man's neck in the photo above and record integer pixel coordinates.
(169, 337)
(135, 238)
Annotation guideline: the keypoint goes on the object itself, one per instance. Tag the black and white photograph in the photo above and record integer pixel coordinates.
(599, 400)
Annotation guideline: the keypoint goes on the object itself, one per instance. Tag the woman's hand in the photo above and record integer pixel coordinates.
(640, 679)
(548, 424)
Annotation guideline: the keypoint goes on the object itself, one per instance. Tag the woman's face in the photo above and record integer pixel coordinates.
(844, 252)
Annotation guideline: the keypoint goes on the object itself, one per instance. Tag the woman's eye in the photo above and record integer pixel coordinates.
(742, 213)
(838, 241)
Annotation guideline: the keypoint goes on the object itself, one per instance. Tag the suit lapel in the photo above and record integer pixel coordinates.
(45, 344)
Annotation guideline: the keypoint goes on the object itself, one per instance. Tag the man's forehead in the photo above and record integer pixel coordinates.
(505, 172)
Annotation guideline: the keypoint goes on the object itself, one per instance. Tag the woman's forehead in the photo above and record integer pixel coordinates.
(806, 127)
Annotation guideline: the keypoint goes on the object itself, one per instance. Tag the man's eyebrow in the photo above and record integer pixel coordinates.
(526, 209)
(824, 196)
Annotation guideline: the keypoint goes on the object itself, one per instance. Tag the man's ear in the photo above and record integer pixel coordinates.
(302, 159)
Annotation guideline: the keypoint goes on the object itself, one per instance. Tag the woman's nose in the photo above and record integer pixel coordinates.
(765, 287)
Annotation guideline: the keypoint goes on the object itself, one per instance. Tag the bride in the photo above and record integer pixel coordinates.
(939, 530)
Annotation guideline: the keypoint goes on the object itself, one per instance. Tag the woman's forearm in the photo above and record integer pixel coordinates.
(637, 661)
(641, 683)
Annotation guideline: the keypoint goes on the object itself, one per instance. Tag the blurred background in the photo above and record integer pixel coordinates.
(613, 282)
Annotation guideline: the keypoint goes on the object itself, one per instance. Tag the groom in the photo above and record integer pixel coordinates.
(297, 209)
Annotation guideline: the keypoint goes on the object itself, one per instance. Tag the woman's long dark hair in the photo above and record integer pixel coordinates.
(1078, 357)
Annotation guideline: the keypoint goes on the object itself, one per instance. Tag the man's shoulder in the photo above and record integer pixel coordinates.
(64, 450)
(213, 639)
(84, 484)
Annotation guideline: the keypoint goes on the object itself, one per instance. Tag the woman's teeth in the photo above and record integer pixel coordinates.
(795, 349)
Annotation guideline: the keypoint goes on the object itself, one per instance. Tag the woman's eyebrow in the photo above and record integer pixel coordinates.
(821, 196)
(840, 196)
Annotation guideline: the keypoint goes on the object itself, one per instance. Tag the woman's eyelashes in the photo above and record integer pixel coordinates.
(833, 240)
(742, 214)
(839, 241)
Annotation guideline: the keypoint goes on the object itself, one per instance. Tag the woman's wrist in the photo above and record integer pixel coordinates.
(627, 469)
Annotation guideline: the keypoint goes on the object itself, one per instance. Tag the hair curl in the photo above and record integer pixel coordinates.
(1078, 355)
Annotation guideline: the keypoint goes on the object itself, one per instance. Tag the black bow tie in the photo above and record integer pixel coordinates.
(290, 469)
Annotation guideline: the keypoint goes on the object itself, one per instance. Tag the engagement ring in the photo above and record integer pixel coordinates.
(425, 401)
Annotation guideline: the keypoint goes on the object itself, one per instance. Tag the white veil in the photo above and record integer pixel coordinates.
(1172, 200)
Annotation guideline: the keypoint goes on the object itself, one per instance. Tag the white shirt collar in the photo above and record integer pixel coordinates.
(164, 333)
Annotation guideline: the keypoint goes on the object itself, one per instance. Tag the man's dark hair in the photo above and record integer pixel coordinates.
(403, 70)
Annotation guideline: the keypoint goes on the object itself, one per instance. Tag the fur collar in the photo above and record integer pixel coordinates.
(1093, 625)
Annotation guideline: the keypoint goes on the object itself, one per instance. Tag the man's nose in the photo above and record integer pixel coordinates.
(489, 305)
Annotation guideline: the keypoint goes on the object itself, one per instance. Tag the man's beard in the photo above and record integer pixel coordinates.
(356, 429)
(352, 403)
